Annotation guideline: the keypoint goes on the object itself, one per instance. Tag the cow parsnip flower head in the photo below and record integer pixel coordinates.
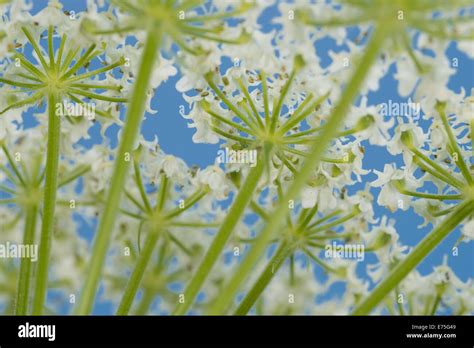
(58, 75)
(20, 181)
(440, 292)
(172, 18)
(22, 185)
(154, 213)
(307, 234)
(403, 19)
(165, 268)
(23, 181)
(401, 16)
(254, 110)
(458, 179)
(55, 78)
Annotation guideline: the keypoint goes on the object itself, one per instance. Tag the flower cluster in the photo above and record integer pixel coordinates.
(296, 206)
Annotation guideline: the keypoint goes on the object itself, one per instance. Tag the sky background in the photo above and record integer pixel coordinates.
(176, 138)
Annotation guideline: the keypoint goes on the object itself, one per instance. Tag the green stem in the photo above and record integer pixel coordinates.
(36, 48)
(305, 216)
(315, 155)
(9, 175)
(296, 118)
(79, 63)
(149, 292)
(25, 266)
(264, 279)
(104, 69)
(433, 172)
(7, 201)
(97, 86)
(194, 224)
(428, 195)
(137, 274)
(231, 123)
(408, 47)
(300, 109)
(323, 265)
(188, 203)
(20, 84)
(141, 188)
(471, 126)
(73, 174)
(232, 218)
(333, 223)
(263, 78)
(13, 165)
(440, 107)
(325, 218)
(301, 134)
(134, 117)
(226, 101)
(257, 209)
(135, 201)
(249, 100)
(8, 190)
(450, 178)
(145, 303)
(91, 95)
(276, 111)
(232, 137)
(49, 205)
(403, 268)
(51, 47)
(59, 57)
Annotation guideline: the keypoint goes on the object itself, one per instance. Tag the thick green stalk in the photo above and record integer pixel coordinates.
(315, 154)
(49, 205)
(401, 270)
(137, 274)
(145, 303)
(264, 279)
(130, 131)
(232, 218)
(150, 291)
(25, 266)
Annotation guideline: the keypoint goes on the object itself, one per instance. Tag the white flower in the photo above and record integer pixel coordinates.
(389, 196)
(322, 195)
(406, 75)
(174, 168)
(256, 54)
(309, 197)
(389, 252)
(468, 230)
(202, 123)
(215, 178)
(438, 135)
(395, 145)
(466, 112)
(377, 132)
